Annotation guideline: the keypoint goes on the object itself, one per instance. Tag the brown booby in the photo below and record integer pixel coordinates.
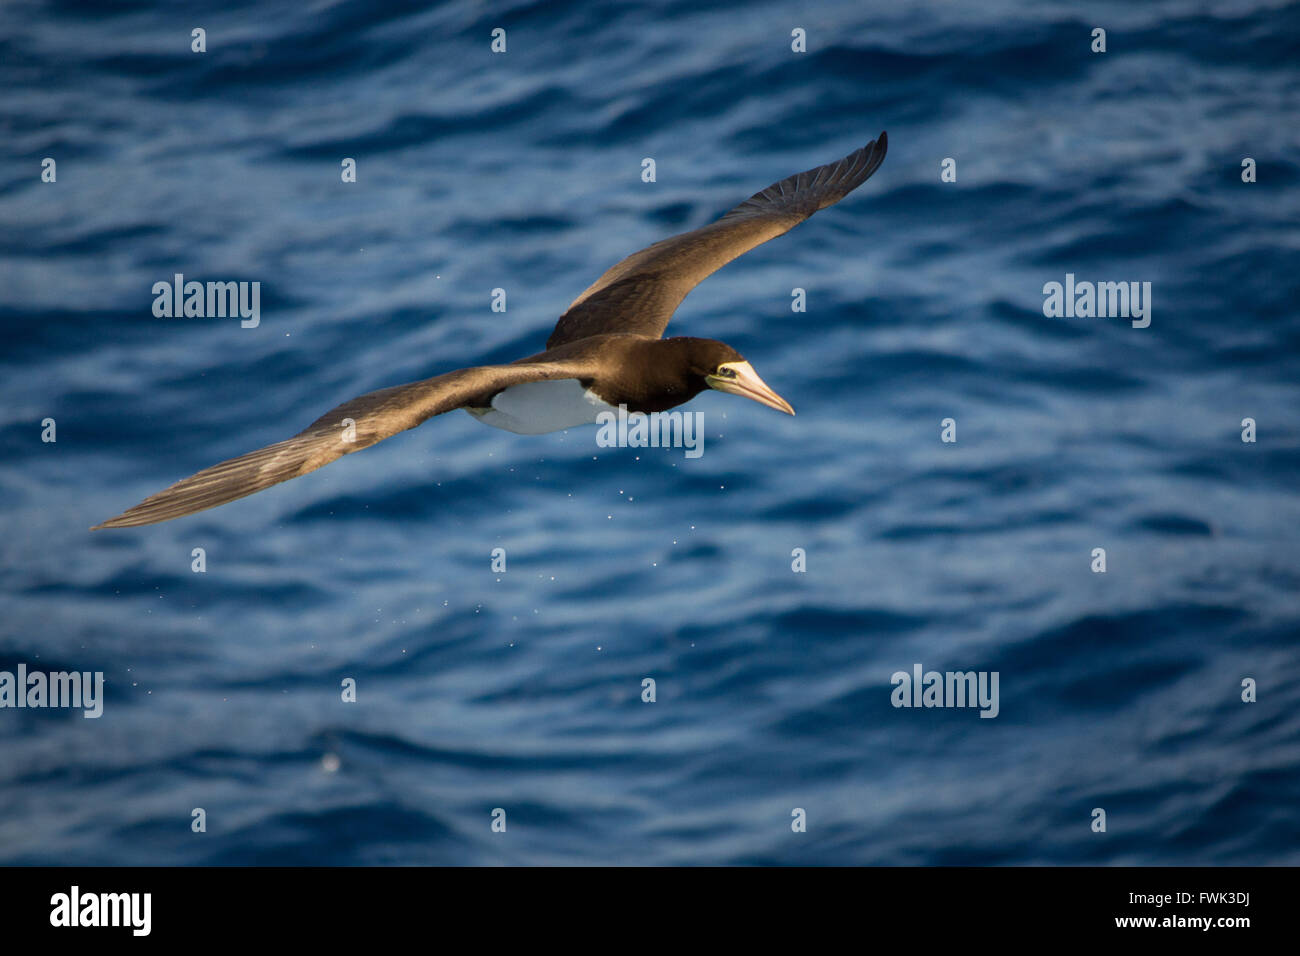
(606, 350)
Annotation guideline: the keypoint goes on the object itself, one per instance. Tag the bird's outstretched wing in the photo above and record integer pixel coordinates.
(352, 426)
(640, 294)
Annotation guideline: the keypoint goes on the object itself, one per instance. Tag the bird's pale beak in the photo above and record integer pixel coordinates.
(747, 384)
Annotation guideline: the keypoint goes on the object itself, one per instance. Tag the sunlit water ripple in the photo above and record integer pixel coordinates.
(523, 690)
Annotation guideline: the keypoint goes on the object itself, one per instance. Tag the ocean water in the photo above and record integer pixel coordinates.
(522, 690)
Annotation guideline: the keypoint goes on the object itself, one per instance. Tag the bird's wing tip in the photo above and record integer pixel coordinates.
(114, 522)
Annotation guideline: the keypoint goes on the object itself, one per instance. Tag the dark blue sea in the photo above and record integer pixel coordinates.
(522, 690)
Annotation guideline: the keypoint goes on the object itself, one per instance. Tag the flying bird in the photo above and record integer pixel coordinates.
(606, 350)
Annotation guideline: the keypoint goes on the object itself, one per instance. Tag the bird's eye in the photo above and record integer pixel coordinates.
(724, 372)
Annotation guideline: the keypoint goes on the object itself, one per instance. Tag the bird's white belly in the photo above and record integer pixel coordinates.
(535, 408)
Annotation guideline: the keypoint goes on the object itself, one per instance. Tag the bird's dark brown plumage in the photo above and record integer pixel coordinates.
(609, 340)
(376, 416)
(641, 293)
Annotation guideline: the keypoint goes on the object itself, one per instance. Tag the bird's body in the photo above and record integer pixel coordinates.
(536, 408)
(606, 352)
(641, 373)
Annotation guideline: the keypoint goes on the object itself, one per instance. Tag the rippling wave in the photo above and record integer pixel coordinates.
(522, 690)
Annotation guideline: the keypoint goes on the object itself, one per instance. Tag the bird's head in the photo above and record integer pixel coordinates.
(725, 370)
